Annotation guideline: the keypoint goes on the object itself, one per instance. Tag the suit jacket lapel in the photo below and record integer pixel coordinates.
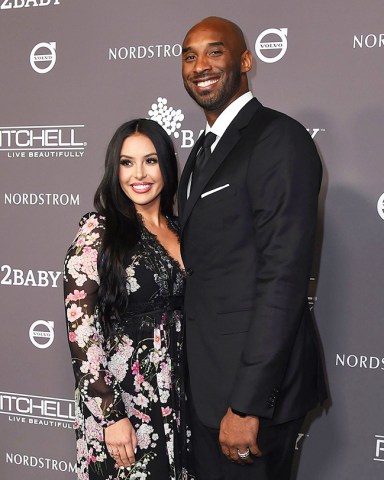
(188, 168)
(227, 142)
(225, 145)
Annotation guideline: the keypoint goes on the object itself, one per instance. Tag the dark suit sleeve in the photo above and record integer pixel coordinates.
(284, 177)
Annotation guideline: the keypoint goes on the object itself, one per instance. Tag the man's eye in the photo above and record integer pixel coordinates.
(189, 58)
(216, 53)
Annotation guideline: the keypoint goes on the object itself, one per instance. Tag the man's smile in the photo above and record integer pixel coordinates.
(206, 83)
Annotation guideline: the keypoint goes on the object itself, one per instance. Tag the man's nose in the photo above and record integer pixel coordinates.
(202, 64)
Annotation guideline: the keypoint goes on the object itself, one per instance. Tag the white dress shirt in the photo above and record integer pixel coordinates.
(222, 123)
(225, 118)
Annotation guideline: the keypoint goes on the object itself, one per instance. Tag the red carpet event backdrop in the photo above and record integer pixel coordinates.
(71, 72)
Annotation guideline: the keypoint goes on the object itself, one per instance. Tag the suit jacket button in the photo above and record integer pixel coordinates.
(189, 271)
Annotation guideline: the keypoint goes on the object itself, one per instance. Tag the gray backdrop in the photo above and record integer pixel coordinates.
(71, 72)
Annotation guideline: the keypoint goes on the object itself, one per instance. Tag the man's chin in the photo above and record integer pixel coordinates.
(209, 104)
(204, 100)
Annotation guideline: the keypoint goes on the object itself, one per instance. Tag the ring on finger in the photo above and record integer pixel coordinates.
(243, 455)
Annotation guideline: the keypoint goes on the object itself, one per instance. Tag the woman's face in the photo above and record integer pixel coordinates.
(139, 175)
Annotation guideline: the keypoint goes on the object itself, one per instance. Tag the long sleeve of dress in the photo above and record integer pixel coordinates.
(97, 388)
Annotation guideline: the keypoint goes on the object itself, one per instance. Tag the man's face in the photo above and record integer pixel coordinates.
(211, 67)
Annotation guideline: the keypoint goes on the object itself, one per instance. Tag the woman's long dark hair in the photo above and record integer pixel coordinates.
(122, 227)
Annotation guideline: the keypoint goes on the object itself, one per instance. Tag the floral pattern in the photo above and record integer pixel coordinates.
(137, 370)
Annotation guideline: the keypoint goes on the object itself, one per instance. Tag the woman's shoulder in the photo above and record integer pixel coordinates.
(90, 233)
(80, 262)
(92, 220)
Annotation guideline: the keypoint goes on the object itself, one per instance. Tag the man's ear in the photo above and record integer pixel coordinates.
(246, 61)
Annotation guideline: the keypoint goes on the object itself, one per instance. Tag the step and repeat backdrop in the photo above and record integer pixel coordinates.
(71, 72)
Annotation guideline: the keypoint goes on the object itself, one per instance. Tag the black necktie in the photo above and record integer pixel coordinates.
(202, 157)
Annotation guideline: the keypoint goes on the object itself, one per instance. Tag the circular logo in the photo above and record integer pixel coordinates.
(41, 333)
(380, 206)
(46, 56)
(277, 44)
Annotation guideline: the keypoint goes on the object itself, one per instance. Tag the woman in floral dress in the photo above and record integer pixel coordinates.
(124, 284)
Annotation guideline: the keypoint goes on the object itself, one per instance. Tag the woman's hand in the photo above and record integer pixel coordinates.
(120, 439)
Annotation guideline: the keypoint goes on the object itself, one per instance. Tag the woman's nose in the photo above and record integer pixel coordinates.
(140, 172)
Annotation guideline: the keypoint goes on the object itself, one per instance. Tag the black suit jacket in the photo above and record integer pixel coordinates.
(247, 242)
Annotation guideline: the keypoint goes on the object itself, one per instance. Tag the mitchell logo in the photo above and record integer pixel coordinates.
(380, 206)
(7, 4)
(138, 52)
(275, 43)
(42, 141)
(36, 410)
(359, 361)
(371, 40)
(167, 117)
(29, 278)
(43, 53)
(42, 334)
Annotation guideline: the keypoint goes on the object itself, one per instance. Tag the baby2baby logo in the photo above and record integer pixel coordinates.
(171, 119)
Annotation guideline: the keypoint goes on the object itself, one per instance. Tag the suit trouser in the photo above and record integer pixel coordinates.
(277, 442)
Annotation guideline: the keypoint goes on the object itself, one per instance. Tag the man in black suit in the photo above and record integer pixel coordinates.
(248, 207)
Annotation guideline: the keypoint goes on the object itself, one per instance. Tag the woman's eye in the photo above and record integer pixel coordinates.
(152, 161)
(125, 163)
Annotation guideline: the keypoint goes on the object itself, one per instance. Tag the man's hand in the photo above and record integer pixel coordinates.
(238, 434)
(121, 442)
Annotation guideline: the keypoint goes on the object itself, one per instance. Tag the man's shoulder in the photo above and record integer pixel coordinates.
(271, 115)
(275, 122)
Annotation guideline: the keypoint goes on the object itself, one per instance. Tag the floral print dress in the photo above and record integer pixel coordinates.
(137, 370)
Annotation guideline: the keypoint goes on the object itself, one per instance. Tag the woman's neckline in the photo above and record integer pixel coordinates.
(155, 238)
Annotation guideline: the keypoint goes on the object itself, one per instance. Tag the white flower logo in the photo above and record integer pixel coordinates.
(169, 118)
